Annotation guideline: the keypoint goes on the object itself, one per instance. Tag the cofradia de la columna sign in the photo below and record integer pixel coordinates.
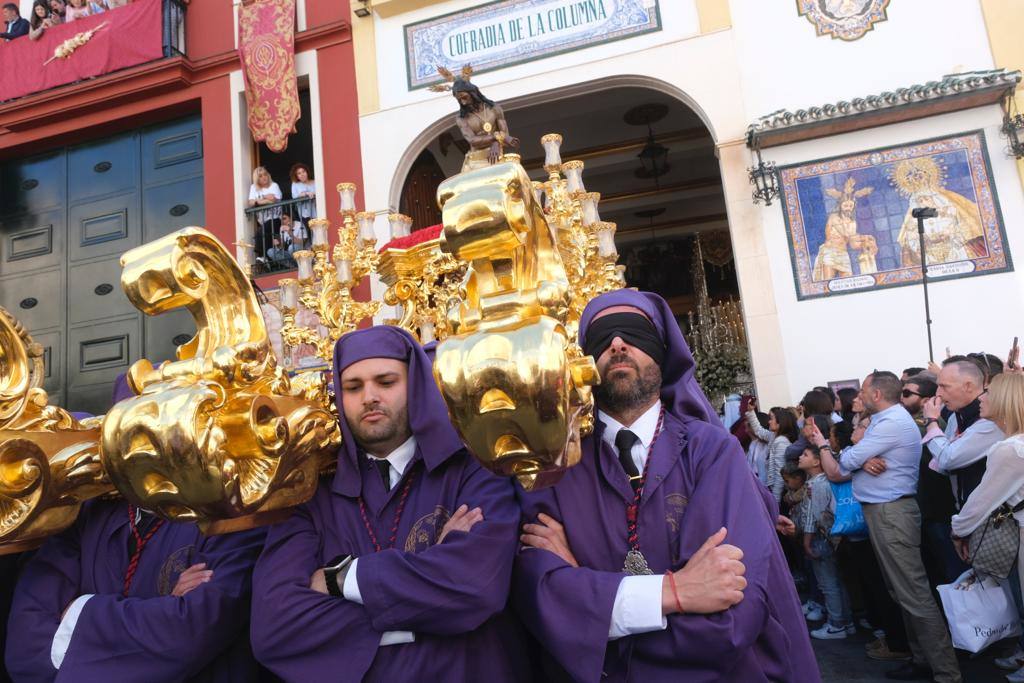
(507, 32)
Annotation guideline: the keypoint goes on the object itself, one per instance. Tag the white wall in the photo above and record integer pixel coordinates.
(848, 336)
(787, 66)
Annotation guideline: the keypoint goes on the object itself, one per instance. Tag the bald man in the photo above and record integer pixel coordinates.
(959, 451)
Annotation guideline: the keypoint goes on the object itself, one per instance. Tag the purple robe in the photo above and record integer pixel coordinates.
(452, 595)
(698, 481)
(149, 635)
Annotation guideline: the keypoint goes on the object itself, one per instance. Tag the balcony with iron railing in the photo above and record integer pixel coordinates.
(274, 232)
(92, 47)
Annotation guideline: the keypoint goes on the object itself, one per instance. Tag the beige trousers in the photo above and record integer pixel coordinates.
(895, 530)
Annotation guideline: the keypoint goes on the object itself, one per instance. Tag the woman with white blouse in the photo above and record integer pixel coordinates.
(1003, 482)
(303, 187)
(265, 191)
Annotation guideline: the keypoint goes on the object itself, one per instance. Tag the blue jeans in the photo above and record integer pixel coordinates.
(837, 600)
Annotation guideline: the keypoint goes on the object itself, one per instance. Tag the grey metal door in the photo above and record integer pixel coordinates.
(66, 217)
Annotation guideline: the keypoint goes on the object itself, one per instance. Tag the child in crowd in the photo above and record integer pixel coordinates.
(818, 515)
(77, 9)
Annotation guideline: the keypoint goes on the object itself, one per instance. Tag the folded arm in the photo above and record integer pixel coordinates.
(173, 637)
(454, 586)
(297, 630)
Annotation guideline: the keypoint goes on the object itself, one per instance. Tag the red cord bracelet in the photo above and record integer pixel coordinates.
(675, 591)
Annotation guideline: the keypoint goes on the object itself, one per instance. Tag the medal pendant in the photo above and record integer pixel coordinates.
(636, 564)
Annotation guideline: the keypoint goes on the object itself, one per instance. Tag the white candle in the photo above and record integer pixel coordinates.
(304, 258)
(573, 171)
(590, 202)
(318, 226)
(366, 233)
(347, 195)
(343, 268)
(552, 156)
(289, 293)
(605, 232)
(401, 225)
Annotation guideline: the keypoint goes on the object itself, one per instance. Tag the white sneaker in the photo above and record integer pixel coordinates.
(828, 632)
(1017, 676)
(815, 615)
(851, 629)
(1011, 663)
(866, 625)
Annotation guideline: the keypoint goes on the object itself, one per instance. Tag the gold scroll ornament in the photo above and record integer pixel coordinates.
(49, 461)
(517, 388)
(220, 436)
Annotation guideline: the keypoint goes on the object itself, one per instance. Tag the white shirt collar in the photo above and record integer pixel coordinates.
(399, 458)
(643, 427)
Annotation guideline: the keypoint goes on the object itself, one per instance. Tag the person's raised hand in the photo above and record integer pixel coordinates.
(192, 578)
(711, 581)
(463, 520)
(934, 368)
(548, 534)
(875, 466)
(932, 408)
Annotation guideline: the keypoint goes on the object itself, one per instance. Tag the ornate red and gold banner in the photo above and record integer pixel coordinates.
(266, 46)
(83, 49)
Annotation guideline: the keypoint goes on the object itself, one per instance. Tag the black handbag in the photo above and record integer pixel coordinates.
(993, 547)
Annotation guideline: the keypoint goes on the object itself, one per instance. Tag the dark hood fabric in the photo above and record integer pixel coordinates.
(436, 438)
(680, 393)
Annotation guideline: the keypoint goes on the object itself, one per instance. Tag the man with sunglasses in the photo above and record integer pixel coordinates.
(959, 449)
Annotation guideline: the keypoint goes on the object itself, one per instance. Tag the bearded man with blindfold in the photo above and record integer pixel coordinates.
(624, 574)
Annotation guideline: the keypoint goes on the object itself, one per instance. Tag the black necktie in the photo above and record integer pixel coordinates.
(384, 467)
(624, 441)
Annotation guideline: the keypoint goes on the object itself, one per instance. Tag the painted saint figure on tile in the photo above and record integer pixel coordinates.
(833, 258)
(955, 234)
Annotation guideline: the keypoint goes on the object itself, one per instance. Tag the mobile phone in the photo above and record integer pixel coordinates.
(1014, 352)
(948, 352)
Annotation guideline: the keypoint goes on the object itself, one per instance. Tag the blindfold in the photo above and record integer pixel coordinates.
(634, 328)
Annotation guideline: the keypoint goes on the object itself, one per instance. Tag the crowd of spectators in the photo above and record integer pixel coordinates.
(282, 227)
(931, 456)
(49, 13)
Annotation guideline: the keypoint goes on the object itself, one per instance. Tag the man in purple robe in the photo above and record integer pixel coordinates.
(398, 569)
(125, 596)
(624, 575)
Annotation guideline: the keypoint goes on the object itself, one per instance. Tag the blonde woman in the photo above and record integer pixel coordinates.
(264, 191)
(1003, 482)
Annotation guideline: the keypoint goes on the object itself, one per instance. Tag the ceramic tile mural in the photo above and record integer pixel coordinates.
(849, 218)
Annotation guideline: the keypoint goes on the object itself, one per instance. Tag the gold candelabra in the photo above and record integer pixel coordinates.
(585, 242)
(324, 285)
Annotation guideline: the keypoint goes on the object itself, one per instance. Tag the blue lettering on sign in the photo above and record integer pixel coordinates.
(508, 32)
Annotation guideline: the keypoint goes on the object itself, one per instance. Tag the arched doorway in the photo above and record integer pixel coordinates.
(653, 159)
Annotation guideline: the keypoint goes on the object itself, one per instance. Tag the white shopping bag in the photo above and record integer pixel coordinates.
(979, 611)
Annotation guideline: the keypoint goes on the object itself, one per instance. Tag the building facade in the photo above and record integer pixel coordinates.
(107, 160)
(878, 106)
(836, 94)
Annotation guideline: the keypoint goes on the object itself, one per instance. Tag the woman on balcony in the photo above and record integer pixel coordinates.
(42, 18)
(265, 191)
(303, 187)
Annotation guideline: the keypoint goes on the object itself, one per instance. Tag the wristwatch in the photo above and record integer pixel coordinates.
(930, 420)
(334, 574)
